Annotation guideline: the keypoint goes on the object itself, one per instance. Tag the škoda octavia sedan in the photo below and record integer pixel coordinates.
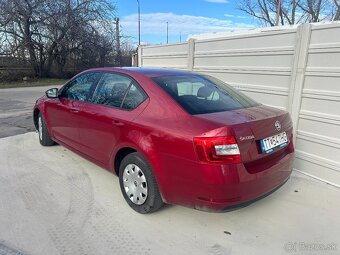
(171, 136)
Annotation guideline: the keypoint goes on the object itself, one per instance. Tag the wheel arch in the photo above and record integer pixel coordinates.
(119, 155)
(36, 112)
(143, 144)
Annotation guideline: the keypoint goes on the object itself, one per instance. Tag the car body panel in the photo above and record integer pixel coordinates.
(64, 123)
(100, 132)
(162, 132)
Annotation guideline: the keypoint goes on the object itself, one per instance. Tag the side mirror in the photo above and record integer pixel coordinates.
(52, 93)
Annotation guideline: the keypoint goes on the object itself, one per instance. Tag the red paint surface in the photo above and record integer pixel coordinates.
(163, 133)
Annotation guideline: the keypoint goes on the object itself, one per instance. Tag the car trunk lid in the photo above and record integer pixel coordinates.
(250, 125)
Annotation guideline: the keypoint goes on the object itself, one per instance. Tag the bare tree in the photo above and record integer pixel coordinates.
(317, 10)
(337, 10)
(291, 11)
(48, 32)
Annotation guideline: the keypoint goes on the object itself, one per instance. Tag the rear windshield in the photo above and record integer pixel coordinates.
(199, 94)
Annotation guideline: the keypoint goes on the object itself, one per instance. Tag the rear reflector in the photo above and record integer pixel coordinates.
(217, 149)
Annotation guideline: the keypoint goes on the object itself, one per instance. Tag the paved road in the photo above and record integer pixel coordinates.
(16, 109)
(54, 202)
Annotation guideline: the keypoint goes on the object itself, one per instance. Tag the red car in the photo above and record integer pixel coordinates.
(171, 136)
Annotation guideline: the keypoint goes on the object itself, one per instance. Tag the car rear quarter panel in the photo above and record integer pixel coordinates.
(163, 133)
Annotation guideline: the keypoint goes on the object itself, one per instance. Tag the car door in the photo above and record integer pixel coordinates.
(117, 100)
(63, 112)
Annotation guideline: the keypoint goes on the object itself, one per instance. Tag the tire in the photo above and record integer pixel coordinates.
(44, 137)
(138, 184)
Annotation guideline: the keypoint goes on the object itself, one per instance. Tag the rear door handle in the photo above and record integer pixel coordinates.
(117, 123)
(74, 111)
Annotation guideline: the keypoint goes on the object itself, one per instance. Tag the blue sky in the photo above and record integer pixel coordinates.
(184, 16)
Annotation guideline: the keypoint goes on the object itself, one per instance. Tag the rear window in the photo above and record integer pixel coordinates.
(199, 94)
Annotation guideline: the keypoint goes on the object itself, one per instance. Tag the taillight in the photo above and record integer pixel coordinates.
(217, 149)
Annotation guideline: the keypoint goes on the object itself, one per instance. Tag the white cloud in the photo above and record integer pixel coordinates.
(217, 1)
(235, 16)
(155, 24)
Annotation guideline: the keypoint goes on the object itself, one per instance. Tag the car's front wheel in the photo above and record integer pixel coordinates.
(44, 136)
(138, 184)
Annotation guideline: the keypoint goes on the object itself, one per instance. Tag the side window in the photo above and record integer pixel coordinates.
(112, 89)
(80, 88)
(133, 98)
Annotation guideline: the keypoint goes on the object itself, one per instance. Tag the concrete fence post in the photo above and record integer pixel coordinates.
(139, 63)
(303, 35)
(191, 54)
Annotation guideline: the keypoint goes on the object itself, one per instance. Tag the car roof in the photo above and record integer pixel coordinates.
(149, 72)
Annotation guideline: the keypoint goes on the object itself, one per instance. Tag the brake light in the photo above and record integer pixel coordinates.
(217, 149)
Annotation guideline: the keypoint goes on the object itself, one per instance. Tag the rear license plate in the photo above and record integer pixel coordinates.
(271, 143)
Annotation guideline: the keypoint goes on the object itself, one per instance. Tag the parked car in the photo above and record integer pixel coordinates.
(171, 136)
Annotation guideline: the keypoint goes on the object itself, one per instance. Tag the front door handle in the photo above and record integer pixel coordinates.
(117, 123)
(74, 111)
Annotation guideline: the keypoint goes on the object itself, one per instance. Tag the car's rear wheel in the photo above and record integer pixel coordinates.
(44, 136)
(138, 184)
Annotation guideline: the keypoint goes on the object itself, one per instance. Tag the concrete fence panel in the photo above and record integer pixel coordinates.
(296, 69)
(318, 127)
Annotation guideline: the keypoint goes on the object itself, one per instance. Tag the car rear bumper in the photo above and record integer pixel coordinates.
(242, 199)
(217, 188)
(246, 203)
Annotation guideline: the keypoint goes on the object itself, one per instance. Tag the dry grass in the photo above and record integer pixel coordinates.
(32, 83)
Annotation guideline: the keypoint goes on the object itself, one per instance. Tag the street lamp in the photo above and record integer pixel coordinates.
(167, 32)
(138, 22)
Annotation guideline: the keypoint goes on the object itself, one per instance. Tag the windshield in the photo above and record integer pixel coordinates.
(199, 94)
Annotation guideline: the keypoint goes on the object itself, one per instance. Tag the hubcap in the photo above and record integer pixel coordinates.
(135, 185)
(40, 128)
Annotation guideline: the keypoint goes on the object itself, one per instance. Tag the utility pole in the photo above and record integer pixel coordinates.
(278, 12)
(167, 32)
(180, 36)
(118, 50)
(138, 22)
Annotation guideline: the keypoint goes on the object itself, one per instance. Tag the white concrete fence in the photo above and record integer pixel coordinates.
(297, 69)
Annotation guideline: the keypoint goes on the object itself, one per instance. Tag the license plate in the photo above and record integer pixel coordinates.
(271, 143)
